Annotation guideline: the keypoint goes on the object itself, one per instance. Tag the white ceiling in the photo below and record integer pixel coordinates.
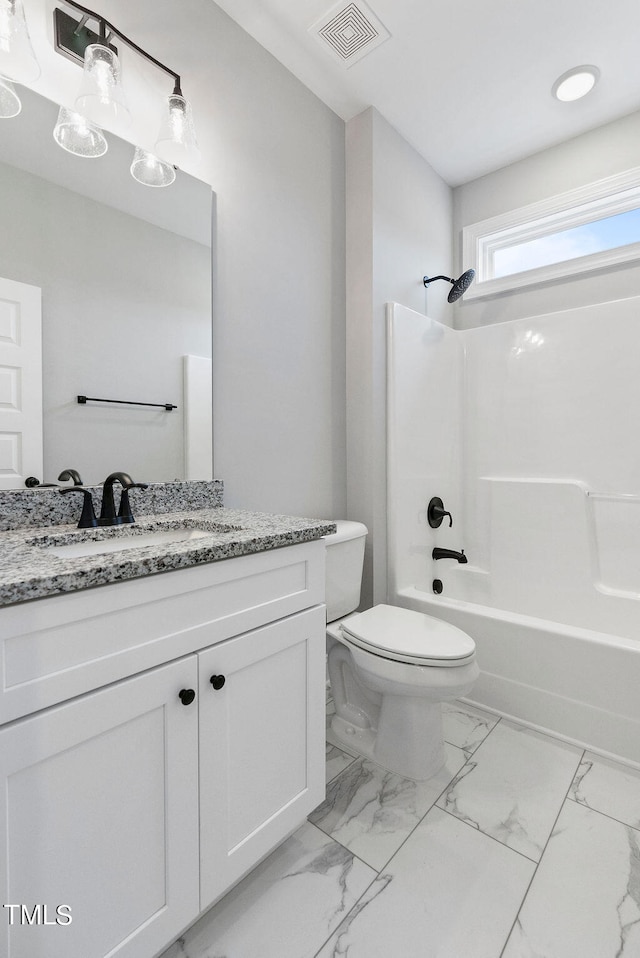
(466, 82)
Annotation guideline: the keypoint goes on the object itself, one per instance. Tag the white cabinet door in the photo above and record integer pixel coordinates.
(261, 744)
(98, 799)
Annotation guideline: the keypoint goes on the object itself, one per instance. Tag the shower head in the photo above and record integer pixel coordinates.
(459, 286)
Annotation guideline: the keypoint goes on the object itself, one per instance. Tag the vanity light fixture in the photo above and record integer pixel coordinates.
(575, 83)
(102, 97)
(17, 59)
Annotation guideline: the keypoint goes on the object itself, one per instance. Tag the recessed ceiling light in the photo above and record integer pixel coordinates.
(575, 83)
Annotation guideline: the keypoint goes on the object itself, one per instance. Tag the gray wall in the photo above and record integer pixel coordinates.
(600, 153)
(398, 228)
(274, 155)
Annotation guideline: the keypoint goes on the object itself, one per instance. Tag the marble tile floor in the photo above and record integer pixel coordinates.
(523, 846)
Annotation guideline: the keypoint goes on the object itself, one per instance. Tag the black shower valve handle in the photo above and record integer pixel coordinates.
(436, 513)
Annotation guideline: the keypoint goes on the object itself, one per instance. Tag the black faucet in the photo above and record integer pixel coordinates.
(449, 554)
(88, 518)
(108, 515)
(72, 474)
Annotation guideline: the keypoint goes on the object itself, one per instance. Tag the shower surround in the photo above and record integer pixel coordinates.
(526, 430)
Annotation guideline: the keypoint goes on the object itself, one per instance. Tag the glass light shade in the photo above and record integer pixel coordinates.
(177, 138)
(75, 134)
(17, 59)
(101, 97)
(151, 171)
(10, 104)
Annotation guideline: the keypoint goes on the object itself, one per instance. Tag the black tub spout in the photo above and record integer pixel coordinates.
(449, 554)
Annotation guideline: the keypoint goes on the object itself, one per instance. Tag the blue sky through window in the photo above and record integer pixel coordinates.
(595, 237)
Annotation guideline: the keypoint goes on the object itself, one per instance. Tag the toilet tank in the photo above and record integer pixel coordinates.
(345, 559)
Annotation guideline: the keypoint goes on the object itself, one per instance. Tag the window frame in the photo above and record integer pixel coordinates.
(597, 200)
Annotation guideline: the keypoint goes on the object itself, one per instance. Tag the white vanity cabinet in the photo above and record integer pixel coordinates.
(136, 804)
(100, 814)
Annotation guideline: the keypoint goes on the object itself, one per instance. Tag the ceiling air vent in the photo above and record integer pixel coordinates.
(350, 31)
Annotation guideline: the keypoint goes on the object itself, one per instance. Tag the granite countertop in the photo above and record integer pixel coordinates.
(30, 569)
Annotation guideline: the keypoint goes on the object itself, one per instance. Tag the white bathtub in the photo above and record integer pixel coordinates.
(526, 431)
(581, 685)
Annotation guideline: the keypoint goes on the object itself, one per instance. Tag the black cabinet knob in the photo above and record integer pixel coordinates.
(217, 681)
(186, 696)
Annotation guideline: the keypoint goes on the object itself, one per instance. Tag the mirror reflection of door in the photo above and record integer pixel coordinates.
(20, 383)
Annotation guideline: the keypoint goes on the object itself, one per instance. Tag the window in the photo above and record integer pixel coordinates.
(589, 228)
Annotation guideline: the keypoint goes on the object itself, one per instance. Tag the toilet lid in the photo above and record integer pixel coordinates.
(408, 636)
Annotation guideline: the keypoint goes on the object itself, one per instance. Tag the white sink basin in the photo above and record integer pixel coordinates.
(92, 547)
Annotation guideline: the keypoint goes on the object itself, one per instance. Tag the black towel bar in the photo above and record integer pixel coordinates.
(128, 402)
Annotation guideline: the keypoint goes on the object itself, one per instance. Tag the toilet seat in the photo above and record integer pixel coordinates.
(407, 636)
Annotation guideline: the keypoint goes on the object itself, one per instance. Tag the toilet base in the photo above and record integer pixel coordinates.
(359, 741)
(408, 741)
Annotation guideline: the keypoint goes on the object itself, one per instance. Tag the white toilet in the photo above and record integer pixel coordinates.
(390, 668)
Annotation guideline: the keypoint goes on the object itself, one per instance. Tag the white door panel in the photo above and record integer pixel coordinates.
(20, 383)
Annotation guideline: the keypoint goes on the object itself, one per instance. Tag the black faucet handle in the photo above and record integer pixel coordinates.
(72, 474)
(31, 482)
(88, 517)
(124, 512)
(436, 513)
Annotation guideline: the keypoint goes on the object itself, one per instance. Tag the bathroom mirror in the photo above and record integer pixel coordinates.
(125, 272)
